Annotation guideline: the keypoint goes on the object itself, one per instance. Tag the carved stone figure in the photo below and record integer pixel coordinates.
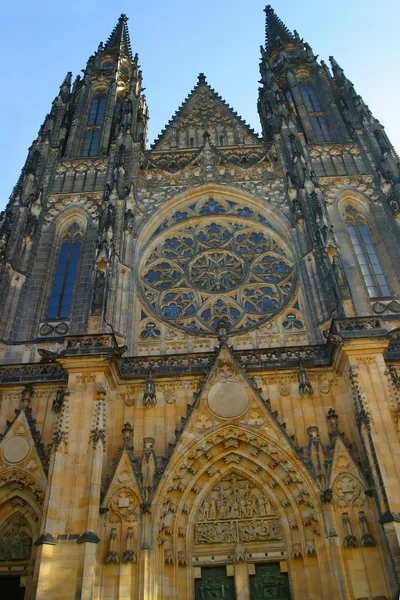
(129, 555)
(148, 464)
(149, 396)
(305, 387)
(129, 220)
(15, 539)
(99, 290)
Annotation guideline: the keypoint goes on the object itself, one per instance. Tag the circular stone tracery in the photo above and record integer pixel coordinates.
(217, 271)
(194, 274)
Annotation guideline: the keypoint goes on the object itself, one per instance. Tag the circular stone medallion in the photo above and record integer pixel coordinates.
(228, 399)
(16, 449)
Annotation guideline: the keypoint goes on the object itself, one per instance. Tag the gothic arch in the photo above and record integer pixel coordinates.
(215, 253)
(261, 460)
(257, 202)
(68, 216)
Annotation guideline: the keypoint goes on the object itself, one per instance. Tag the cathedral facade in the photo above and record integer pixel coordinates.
(199, 343)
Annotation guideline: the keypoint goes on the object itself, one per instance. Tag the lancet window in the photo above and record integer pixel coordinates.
(65, 276)
(91, 140)
(317, 116)
(364, 249)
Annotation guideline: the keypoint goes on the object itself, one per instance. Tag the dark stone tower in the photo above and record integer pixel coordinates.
(84, 158)
(325, 136)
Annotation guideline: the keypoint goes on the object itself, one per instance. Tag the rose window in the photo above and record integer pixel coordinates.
(195, 274)
(217, 271)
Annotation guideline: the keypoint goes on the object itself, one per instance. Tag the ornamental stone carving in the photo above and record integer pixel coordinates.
(236, 511)
(347, 491)
(16, 539)
(201, 267)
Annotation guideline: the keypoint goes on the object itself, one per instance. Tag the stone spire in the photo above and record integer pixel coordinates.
(119, 41)
(275, 30)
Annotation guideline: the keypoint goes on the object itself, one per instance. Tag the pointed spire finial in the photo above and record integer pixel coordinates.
(275, 29)
(201, 78)
(119, 40)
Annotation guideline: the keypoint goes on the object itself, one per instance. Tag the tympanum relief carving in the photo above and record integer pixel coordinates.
(236, 511)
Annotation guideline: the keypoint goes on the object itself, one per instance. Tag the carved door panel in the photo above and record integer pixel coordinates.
(214, 585)
(269, 583)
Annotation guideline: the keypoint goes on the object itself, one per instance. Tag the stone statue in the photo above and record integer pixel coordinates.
(129, 220)
(305, 387)
(149, 396)
(148, 465)
(99, 288)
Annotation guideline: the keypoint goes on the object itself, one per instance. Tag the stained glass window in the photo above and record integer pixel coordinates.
(318, 119)
(96, 115)
(193, 275)
(91, 138)
(367, 258)
(64, 279)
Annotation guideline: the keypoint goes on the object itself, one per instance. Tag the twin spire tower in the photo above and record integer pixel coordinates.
(199, 342)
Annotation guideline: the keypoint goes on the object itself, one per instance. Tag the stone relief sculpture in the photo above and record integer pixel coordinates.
(235, 510)
(16, 539)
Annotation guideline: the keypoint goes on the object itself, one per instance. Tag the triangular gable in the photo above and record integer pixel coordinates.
(204, 111)
(123, 498)
(345, 479)
(20, 459)
(227, 398)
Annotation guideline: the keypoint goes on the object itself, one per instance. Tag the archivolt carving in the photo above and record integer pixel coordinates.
(56, 205)
(217, 515)
(18, 480)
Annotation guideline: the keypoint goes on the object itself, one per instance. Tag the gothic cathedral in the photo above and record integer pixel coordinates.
(200, 343)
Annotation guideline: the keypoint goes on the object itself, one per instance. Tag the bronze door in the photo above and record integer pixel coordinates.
(214, 585)
(269, 583)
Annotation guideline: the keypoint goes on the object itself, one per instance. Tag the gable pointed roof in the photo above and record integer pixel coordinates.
(23, 451)
(119, 40)
(204, 96)
(217, 408)
(275, 28)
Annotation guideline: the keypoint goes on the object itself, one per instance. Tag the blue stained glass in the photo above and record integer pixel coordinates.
(265, 221)
(211, 207)
(367, 259)
(97, 111)
(52, 312)
(173, 311)
(245, 212)
(64, 280)
(172, 243)
(180, 216)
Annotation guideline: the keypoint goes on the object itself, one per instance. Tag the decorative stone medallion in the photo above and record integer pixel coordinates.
(228, 399)
(16, 449)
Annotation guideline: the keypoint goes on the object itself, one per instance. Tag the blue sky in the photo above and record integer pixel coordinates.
(176, 40)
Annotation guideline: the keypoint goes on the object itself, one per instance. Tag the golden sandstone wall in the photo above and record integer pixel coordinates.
(146, 484)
